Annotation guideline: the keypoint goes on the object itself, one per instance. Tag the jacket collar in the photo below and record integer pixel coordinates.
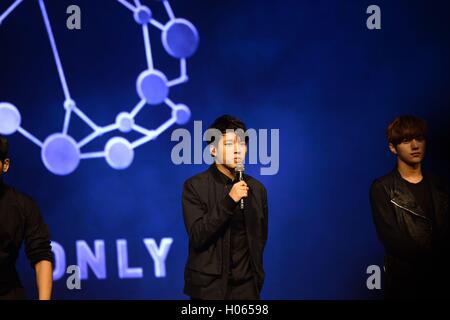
(219, 176)
(402, 196)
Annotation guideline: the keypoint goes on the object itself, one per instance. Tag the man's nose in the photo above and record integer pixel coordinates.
(237, 149)
(414, 144)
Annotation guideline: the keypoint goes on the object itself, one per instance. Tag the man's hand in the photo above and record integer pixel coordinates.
(239, 191)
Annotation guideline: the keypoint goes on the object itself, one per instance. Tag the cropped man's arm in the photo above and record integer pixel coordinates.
(38, 249)
(44, 279)
(387, 228)
(203, 224)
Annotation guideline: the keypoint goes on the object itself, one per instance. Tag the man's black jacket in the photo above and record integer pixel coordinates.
(20, 222)
(207, 212)
(417, 250)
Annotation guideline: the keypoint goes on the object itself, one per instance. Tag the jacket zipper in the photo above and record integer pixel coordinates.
(416, 214)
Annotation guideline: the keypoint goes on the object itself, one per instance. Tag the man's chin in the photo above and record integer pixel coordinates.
(231, 166)
(413, 161)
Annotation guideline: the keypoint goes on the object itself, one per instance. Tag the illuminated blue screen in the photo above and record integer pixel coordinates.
(311, 69)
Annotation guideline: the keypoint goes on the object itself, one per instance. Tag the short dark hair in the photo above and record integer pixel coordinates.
(406, 127)
(3, 148)
(227, 122)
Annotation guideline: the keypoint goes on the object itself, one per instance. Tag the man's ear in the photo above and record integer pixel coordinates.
(212, 150)
(392, 148)
(5, 167)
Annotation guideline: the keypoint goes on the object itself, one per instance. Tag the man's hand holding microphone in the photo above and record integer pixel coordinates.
(239, 191)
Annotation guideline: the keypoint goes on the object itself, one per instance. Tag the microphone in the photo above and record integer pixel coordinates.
(240, 176)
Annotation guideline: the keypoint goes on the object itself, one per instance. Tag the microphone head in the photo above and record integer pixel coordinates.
(239, 167)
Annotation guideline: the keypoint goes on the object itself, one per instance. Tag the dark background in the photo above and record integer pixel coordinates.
(309, 68)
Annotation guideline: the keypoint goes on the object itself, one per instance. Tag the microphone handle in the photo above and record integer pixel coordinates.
(241, 177)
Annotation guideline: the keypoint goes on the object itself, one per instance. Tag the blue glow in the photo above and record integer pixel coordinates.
(59, 267)
(9, 10)
(180, 38)
(125, 122)
(60, 153)
(152, 86)
(122, 262)
(182, 114)
(142, 15)
(96, 261)
(86, 259)
(10, 118)
(119, 153)
(159, 255)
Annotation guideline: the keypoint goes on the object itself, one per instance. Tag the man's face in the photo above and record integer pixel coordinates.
(231, 150)
(4, 166)
(410, 151)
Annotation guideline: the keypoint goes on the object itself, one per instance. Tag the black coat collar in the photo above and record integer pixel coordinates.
(220, 177)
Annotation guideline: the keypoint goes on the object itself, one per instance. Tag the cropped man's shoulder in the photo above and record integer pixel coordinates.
(385, 179)
(22, 198)
(197, 178)
(255, 183)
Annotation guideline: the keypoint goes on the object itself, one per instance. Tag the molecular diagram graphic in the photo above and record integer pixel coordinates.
(60, 153)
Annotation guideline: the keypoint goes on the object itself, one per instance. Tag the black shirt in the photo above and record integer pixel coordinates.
(20, 221)
(240, 263)
(422, 195)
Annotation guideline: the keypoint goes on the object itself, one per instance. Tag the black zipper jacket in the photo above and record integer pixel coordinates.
(417, 247)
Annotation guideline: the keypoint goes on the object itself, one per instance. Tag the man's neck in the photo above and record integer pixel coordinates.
(225, 170)
(410, 172)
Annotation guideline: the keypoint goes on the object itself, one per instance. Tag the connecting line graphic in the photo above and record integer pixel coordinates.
(9, 10)
(62, 77)
(60, 153)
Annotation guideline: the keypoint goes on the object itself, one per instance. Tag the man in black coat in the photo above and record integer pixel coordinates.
(226, 242)
(21, 222)
(411, 215)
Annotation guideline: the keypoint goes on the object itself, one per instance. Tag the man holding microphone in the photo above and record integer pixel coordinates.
(226, 217)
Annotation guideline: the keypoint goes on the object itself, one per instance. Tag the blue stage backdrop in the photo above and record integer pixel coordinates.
(311, 69)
